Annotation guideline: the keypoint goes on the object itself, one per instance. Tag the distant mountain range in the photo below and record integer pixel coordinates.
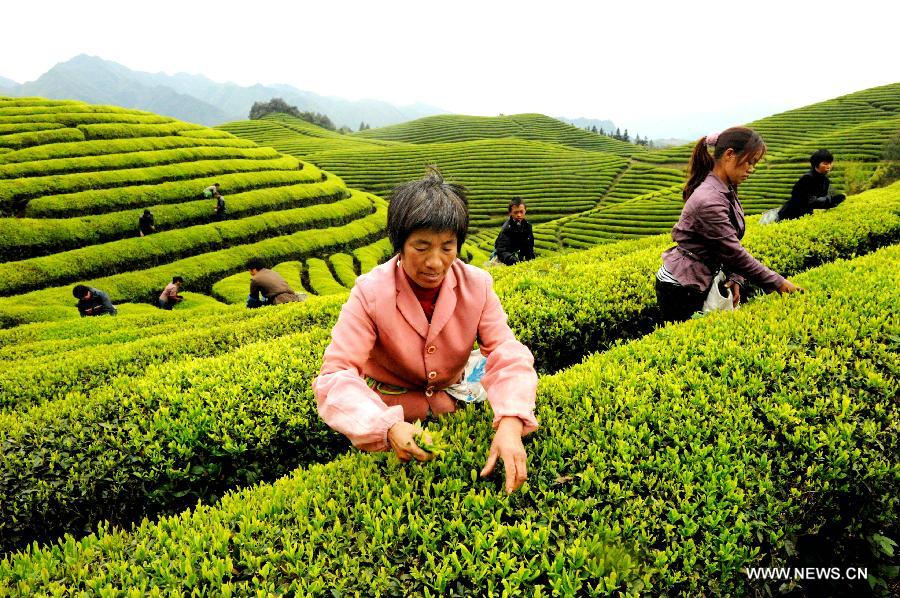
(581, 123)
(195, 98)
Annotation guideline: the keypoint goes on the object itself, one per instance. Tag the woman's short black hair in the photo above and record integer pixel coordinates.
(80, 291)
(819, 156)
(255, 263)
(429, 203)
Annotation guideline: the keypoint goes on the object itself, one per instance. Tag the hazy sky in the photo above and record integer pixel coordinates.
(658, 68)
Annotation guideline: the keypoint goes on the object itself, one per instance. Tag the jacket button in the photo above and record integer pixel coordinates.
(432, 375)
(431, 349)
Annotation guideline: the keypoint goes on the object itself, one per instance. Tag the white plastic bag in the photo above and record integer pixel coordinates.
(715, 301)
(769, 216)
(469, 389)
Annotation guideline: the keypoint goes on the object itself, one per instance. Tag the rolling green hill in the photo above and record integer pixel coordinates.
(75, 177)
(555, 178)
(530, 127)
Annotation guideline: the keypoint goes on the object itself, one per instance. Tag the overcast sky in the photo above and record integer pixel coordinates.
(658, 68)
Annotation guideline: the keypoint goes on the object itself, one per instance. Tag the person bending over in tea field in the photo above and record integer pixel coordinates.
(709, 256)
(813, 191)
(270, 284)
(92, 302)
(515, 243)
(212, 191)
(170, 297)
(405, 336)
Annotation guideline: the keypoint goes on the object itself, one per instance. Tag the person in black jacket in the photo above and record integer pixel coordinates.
(515, 243)
(813, 190)
(146, 223)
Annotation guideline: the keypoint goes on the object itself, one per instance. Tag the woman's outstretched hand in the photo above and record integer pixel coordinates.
(789, 287)
(401, 437)
(507, 445)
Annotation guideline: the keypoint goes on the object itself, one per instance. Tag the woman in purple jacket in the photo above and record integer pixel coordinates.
(709, 232)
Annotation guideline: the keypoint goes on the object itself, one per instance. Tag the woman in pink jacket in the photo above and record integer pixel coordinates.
(408, 329)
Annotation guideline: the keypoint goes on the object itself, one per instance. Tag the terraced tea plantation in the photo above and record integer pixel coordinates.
(75, 178)
(573, 181)
(181, 452)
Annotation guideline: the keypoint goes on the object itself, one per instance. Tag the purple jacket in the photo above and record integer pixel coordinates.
(709, 235)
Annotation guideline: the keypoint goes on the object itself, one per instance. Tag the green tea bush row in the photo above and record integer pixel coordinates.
(132, 160)
(101, 201)
(159, 248)
(117, 130)
(66, 107)
(17, 192)
(321, 281)
(344, 268)
(115, 146)
(6, 129)
(666, 466)
(205, 133)
(373, 254)
(77, 119)
(19, 140)
(22, 238)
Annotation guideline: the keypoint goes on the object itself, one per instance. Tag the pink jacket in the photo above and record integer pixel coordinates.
(382, 333)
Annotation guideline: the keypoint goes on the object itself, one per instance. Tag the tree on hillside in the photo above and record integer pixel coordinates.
(364, 126)
(261, 109)
(625, 137)
(618, 134)
(594, 129)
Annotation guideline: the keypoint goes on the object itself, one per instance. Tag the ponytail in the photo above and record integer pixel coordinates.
(746, 143)
(701, 165)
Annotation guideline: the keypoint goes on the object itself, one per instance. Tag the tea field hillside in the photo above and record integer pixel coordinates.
(667, 462)
(559, 169)
(181, 453)
(74, 179)
(584, 188)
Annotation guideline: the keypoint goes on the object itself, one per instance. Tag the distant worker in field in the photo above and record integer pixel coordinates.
(93, 302)
(169, 298)
(813, 191)
(146, 223)
(401, 350)
(708, 267)
(212, 191)
(220, 210)
(515, 243)
(267, 287)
